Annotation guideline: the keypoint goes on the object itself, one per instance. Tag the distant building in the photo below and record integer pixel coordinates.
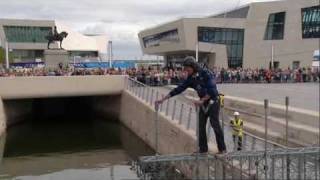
(26, 39)
(243, 37)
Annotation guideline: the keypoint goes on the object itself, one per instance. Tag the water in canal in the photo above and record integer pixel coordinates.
(79, 147)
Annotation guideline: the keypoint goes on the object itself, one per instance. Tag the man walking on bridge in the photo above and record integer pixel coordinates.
(201, 80)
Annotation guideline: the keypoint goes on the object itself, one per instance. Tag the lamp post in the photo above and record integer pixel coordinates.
(7, 55)
(110, 53)
(272, 56)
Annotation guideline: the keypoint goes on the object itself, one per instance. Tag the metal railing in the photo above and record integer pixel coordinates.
(185, 114)
(296, 163)
(258, 159)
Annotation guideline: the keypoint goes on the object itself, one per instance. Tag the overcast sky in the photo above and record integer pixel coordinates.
(120, 20)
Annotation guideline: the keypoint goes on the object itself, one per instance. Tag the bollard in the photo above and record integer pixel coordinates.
(174, 110)
(189, 118)
(181, 112)
(266, 109)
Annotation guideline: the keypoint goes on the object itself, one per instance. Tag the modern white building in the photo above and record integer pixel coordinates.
(262, 34)
(26, 40)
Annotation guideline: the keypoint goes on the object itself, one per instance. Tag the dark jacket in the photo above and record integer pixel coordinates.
(202, 82)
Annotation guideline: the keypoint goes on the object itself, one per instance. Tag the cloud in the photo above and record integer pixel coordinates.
(120, 20)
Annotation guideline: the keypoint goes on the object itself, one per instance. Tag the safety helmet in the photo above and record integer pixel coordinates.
(189, 61)
(236, 113)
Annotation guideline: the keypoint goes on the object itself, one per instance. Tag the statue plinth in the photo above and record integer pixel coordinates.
(53, 57)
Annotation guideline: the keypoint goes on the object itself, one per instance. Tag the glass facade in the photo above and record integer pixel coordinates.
(26, 34)
(27, 55)
(311, 22)
(233, 38)
(275, 26)
(157, 39)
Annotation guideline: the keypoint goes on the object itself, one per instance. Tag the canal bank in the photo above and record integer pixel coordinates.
(75, 143)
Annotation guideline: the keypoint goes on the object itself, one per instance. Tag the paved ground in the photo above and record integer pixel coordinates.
(302, 95)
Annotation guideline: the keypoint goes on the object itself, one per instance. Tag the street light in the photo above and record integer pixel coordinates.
(7, 54)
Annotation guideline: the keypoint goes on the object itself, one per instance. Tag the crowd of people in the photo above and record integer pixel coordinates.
(58, 72)
(156, 76)
(240, 75)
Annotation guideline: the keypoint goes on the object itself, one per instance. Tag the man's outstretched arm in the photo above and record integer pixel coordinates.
(176, 91)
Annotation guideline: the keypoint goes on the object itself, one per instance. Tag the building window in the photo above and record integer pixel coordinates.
(275, 26)
(158, 39)
(311, 22)
(27, 55)
(28, 34)
(232, 38)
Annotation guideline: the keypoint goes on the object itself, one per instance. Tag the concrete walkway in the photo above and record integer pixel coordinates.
(302, 95)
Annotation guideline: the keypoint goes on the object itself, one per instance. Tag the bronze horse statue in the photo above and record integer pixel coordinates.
(56, 37)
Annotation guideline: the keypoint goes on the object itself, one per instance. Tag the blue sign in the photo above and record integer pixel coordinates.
(27, 64)
(123, 64)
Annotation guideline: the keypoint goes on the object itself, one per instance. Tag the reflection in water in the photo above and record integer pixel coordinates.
(70, 149)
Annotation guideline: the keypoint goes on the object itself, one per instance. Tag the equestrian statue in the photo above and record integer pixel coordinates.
(56, 37)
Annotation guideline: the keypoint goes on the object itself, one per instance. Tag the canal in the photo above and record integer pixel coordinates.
(70, 143)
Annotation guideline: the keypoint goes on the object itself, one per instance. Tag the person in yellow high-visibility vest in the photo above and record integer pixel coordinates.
(237, 130)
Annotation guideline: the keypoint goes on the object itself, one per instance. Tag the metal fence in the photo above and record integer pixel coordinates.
(185, 114)
(292, 164)
(258, 159)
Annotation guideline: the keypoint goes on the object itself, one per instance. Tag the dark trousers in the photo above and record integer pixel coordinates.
(213, 114)
(239, 146)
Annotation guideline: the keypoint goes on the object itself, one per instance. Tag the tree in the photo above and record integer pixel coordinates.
(3, 56)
